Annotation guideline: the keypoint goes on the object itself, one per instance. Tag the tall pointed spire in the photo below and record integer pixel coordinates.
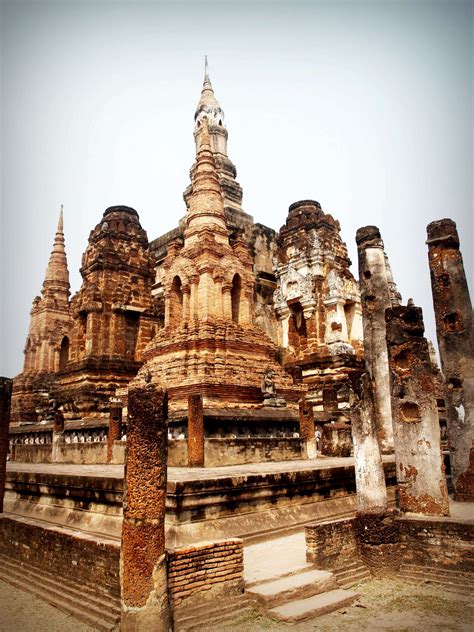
(208, 106)
(56, 280)
(206, 73)
(206, 204)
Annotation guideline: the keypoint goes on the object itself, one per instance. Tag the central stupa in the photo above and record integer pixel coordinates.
(209, 344)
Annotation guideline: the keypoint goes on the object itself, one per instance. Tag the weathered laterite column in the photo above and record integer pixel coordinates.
(375, 525)
(115, 429)
(375, 298)
(307, 430)
(143, 577)
(5, 399)
(455, 333)
(195, 431)
(420, 468)
(369, 472)
(58, 430)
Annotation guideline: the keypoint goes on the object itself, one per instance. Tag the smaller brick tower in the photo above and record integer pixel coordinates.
(113, 312)
(48, 341)
(317, 302)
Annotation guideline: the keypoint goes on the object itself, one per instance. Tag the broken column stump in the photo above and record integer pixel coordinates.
(307, 429)
(115, 429)
(420, 468)
(376, 297)
(195, 431)
(5, 399)
(455, 333)
(143, 578)
(375, 528)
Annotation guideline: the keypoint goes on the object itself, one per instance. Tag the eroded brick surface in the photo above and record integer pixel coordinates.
(378, 292)
(200, 571)
(420, 467)
(143, 535)
(455, 333)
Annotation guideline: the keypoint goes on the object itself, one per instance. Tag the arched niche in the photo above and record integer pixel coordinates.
(235, 297)
(297, 333)
(176, 302)
(64, 353)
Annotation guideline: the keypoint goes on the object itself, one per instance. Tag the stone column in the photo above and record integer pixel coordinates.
(455, 333)
(115, 428)
(143, 577)
(375, 525)
(307, 431)
(5, 399)
(375, 299)
(420, 468)
(369, 472)
(195, 431)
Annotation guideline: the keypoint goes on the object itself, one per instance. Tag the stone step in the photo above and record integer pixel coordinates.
(95, 596)
(313, 606)
(299, 586)
(300, 568)
(351, 576)
(70, 601)
(204, 617)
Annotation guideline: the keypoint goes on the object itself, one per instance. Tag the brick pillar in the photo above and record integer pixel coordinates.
(375, 299)
(143, 577)
(420, 468)
(455, 333)
(195, 431)
(58, 430)
(115, 429)
(329, 399)
(307, 431)
(5, 399)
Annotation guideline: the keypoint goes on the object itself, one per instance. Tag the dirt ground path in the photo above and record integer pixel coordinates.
(21, 611)
(383, 606)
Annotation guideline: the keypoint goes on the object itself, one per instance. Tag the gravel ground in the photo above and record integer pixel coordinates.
(382, 606)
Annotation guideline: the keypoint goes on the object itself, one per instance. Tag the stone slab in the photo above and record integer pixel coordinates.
(314, 606)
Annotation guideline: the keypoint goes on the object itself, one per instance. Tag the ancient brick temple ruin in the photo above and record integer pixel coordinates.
(253, 388)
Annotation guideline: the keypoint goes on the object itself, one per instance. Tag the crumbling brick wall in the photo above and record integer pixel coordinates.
(200, 571)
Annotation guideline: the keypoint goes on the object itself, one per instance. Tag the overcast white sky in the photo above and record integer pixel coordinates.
(363, 106)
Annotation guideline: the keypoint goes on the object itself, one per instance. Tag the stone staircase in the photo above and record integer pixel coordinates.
(91, 605)
(451, 580)
(289, 588)
(352, 574)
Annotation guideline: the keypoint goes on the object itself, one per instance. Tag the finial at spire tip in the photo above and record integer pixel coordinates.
(206, 69)
(60, 222)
